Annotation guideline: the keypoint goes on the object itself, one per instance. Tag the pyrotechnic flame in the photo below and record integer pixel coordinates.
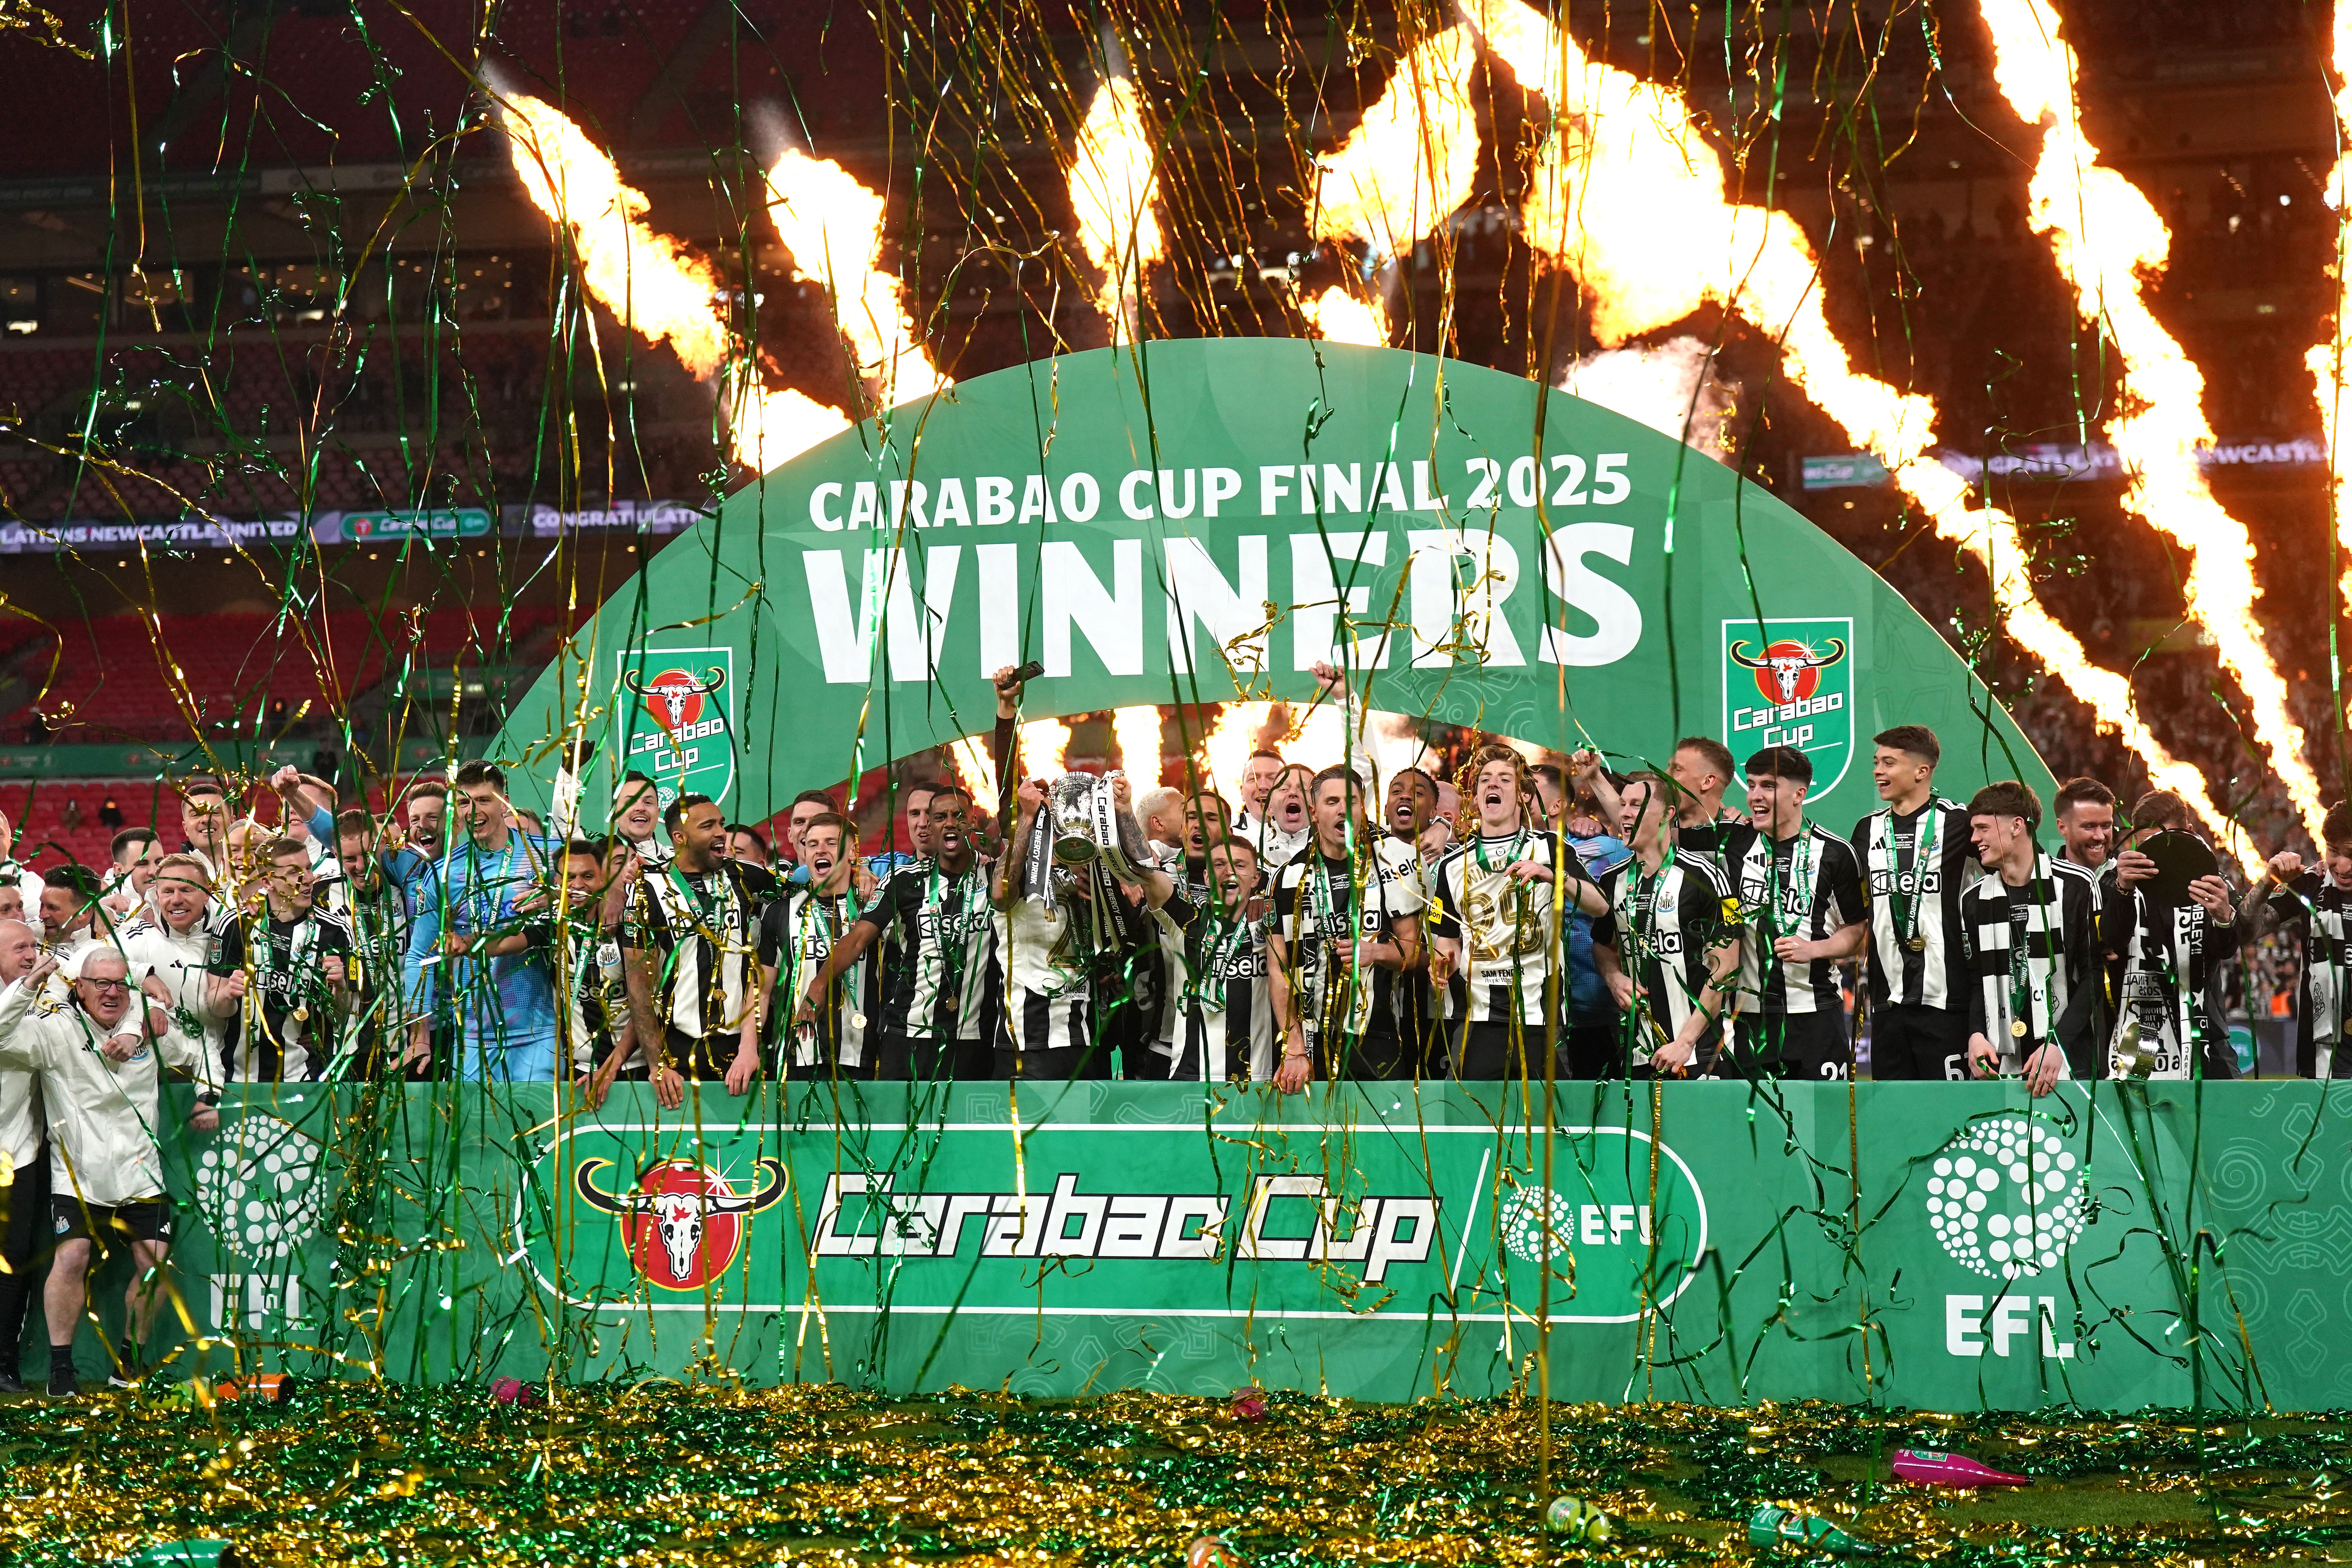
(1671, 389)
(1113, 181)
(2326, 359)
(978, 775)
(1339, 317)
(2105, 237)
(1225, 749)
(774, 425)
(1413, 156)
(834, 228)
(657, 287)
(1137, 732)
(1631, 199)
(1045, 748)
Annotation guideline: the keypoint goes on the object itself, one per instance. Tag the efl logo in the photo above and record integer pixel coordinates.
(1790, 683)
(2007, 1199)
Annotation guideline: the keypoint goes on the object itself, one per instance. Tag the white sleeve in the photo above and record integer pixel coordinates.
(20, 1033)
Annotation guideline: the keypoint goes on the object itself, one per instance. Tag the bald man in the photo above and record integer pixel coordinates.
(98, 1057)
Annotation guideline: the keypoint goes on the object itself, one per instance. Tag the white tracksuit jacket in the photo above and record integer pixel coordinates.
(101, 1112)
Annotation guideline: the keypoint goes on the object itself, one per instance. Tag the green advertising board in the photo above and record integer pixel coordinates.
(1207, 519)
(1949, 1245)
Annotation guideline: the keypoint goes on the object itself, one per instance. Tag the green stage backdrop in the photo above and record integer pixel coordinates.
(1209, 518)
(2144, 1245)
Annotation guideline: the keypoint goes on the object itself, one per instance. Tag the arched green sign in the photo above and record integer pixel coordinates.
(1209, 518)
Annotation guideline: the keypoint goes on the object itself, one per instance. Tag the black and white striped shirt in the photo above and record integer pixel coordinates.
(2170, 977)
(1225, 1012)
(700, 930)
(596, 1004)
(1916, 897)
(2052, 921)
(2324, 908)
(1319, 911)
(1662, 927)
(1509, 939)
(1043, 970)
(933, 930)
(1808, 886)
(796, 936)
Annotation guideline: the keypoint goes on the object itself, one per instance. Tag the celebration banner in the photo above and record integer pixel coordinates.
(1933, 1245)
(1203, 521)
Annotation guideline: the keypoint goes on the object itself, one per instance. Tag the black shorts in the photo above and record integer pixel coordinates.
(1812, 1046)
(72, 1220)
(1918, 1043)
(1384, 1057)
(1491, 1052)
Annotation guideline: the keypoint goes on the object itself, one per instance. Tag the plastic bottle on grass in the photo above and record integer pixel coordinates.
(184, 1554)
(1771, 1524)
(1579, 1519)
(1936, 1468)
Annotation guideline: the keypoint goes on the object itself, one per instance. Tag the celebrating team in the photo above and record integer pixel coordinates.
(1283, 938)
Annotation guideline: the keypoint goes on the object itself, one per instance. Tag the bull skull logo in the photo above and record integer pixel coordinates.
(674, 697)
(696, 1216)
(1789, 670)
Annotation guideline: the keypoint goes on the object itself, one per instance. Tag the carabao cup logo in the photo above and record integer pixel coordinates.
(676, 729)
(683, 1222)
(2007, 1199)
(1790, 683)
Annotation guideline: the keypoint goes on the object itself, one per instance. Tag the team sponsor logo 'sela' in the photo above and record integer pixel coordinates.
(2006, 1198)
(675, 718)
(1790, 683)
(683, 1221)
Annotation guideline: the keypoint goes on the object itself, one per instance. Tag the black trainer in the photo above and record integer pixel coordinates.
(11, 1383)
(62, 1383)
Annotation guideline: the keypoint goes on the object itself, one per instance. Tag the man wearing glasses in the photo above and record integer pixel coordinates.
(97, 1060)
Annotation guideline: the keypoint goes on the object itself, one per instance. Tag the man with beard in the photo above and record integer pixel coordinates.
(933, 919)
(1224, 1019)
(98, 1063)
(23, 1135)
(1340, 939)
(596, 1034)
(1050, 941)
(173, 952)
(282, 977)
(2085, 814)
(1669, 946)
(2171, 954)
(690, 948)
(376, 911)
(2319, 899)
(1496, 941)
(2031, 927)
(134, 854)
(1409, 814)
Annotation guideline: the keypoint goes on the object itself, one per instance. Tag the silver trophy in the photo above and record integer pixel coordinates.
(1088, 825)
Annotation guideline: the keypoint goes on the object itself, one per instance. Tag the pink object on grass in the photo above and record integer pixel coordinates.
(1938, 1469)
